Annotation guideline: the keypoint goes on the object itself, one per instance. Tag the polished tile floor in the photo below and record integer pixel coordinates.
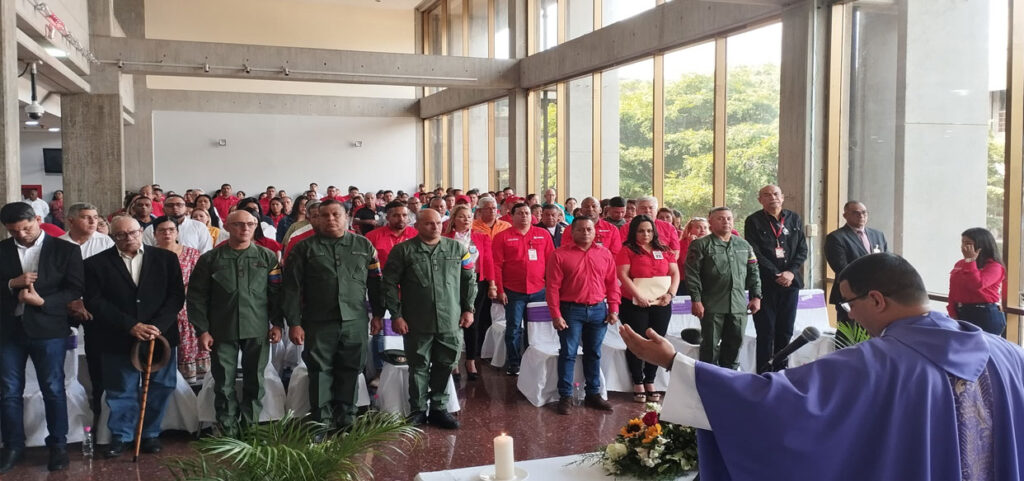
(490, 405)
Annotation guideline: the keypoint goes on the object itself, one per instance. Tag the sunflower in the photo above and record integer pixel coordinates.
(652, 433)
(634, 428)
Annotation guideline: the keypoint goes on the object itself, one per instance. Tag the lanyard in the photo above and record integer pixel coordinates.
(782, 227)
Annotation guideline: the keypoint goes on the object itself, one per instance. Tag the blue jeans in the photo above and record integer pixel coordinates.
(514, 310)
(986, 316)
(48, 357)
(123, 386)
(586, 324)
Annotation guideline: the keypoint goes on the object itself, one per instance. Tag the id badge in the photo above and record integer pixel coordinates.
(876, 250)
(532, 254)
(658, 255)
(780, 253)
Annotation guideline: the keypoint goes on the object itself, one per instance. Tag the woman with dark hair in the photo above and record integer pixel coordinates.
(57, 209)
(297, 214)
(193, 363)
(205, 202)
(265, 232)
(276, 211)
(975, 282)
(650, 277)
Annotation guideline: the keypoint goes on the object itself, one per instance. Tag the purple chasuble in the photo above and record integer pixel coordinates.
(909, 405)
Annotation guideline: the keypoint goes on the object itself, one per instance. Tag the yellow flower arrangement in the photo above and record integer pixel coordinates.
(633, 429)
(652, 433)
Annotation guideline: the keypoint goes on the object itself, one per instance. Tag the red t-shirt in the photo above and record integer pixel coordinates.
(384, 240)
(223, 205)
(969, 285)
(584, 277)
(646, 265)
(605, 234)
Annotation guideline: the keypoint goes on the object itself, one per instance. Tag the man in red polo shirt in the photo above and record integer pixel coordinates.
(384, 239)
(520, 255)
(225, 201)
(583, 296)
(605, 234)
(667, 234)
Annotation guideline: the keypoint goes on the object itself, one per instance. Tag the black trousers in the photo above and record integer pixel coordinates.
(774, 322)
(641, 318)
(474, 334)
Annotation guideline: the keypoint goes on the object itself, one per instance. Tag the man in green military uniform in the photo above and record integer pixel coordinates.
(232, 298)
(437, 280)
(326, 282)
(719, 267)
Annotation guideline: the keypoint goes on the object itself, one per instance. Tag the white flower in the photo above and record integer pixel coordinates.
(615, 451)
(653, 407)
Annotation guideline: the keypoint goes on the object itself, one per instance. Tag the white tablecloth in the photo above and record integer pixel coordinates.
(562, 468)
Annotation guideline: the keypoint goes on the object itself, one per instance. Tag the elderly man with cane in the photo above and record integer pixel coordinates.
(134, 294)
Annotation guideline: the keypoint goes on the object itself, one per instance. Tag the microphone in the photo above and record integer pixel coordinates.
(809, 334)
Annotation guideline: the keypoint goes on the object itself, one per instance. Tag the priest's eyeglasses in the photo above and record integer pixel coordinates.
(846, 303)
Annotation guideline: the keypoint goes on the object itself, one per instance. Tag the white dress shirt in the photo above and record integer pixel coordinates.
(40, 206)
(97, 243)
(133, 264)
(191, 233)
(29, 257)
(682, 403)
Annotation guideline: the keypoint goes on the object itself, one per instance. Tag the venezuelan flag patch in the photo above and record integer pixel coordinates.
(467, 261)
(274, 277)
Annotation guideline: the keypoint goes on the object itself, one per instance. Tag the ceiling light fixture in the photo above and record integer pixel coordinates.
(31, 123)
(54, 129)
(56, 52)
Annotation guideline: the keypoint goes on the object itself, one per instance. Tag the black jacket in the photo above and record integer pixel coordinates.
(60, 281)
(117, 304)
(759, 230)
(557, 236)
(842, 246)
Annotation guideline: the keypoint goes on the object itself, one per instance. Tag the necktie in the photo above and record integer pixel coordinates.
(864, 241)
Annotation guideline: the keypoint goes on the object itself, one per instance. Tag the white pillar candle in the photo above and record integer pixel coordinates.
(504, 458)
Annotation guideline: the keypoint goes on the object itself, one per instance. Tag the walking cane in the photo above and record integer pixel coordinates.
(147, 370)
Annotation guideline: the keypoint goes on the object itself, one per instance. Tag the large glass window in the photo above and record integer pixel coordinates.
(579, 18)
(501, 30)
(455, 29)
(501, 144)
(925, 154)
(627, 130)
(580, 167)
(478, 139)
(752, 110)
(455, 152)
(690, 129)
(547, 24)
(432, 26)
(546, 133)
(615, 10)
(478, 36)
(435, 152)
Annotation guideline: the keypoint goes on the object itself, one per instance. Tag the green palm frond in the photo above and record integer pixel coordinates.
(283, 451)
(850, 334)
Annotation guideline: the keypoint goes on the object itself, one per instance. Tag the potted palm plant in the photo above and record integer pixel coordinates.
(285, 450)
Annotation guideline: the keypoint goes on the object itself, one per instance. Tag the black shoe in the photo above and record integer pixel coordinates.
(473, 376)
(114, 449)
(150, 446)
(564, 405)
(512, 371)
(443, 420)
(9, 458)
(417, 418)
(58, 458)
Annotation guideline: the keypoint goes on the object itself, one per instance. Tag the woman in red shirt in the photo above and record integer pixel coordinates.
(975, 282)
(479, 246)
(696, 228)
(642, 259)
(276, 211)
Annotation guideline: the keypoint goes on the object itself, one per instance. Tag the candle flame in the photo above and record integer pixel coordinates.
(503, 433)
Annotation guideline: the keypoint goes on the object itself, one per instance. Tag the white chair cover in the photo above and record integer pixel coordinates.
(181, 414)
(494, 344)
(538, 373)
(393, 391)
(615, 369)
(273, 396)
(297, 400)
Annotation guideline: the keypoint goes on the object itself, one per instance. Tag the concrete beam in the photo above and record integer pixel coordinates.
(251, 103)
(224, 60)
(449, 100)
(662, 28)
(59, 74)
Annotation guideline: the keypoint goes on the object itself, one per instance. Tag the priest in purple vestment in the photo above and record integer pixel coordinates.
(927, 398)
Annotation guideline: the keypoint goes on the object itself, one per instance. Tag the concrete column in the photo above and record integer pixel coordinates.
(517, 100)
(92, 135)
(10, 124)
(138, 139)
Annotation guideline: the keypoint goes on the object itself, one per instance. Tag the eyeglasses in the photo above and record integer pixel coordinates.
(126, 235)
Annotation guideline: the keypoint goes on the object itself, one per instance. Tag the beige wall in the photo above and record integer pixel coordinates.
(293, 23)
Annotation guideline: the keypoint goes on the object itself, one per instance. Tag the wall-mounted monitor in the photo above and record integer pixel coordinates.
(53, 161)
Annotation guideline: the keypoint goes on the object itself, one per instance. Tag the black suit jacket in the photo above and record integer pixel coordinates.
(557, 236)
(842, 246)
(60, 281)
(117, 304)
